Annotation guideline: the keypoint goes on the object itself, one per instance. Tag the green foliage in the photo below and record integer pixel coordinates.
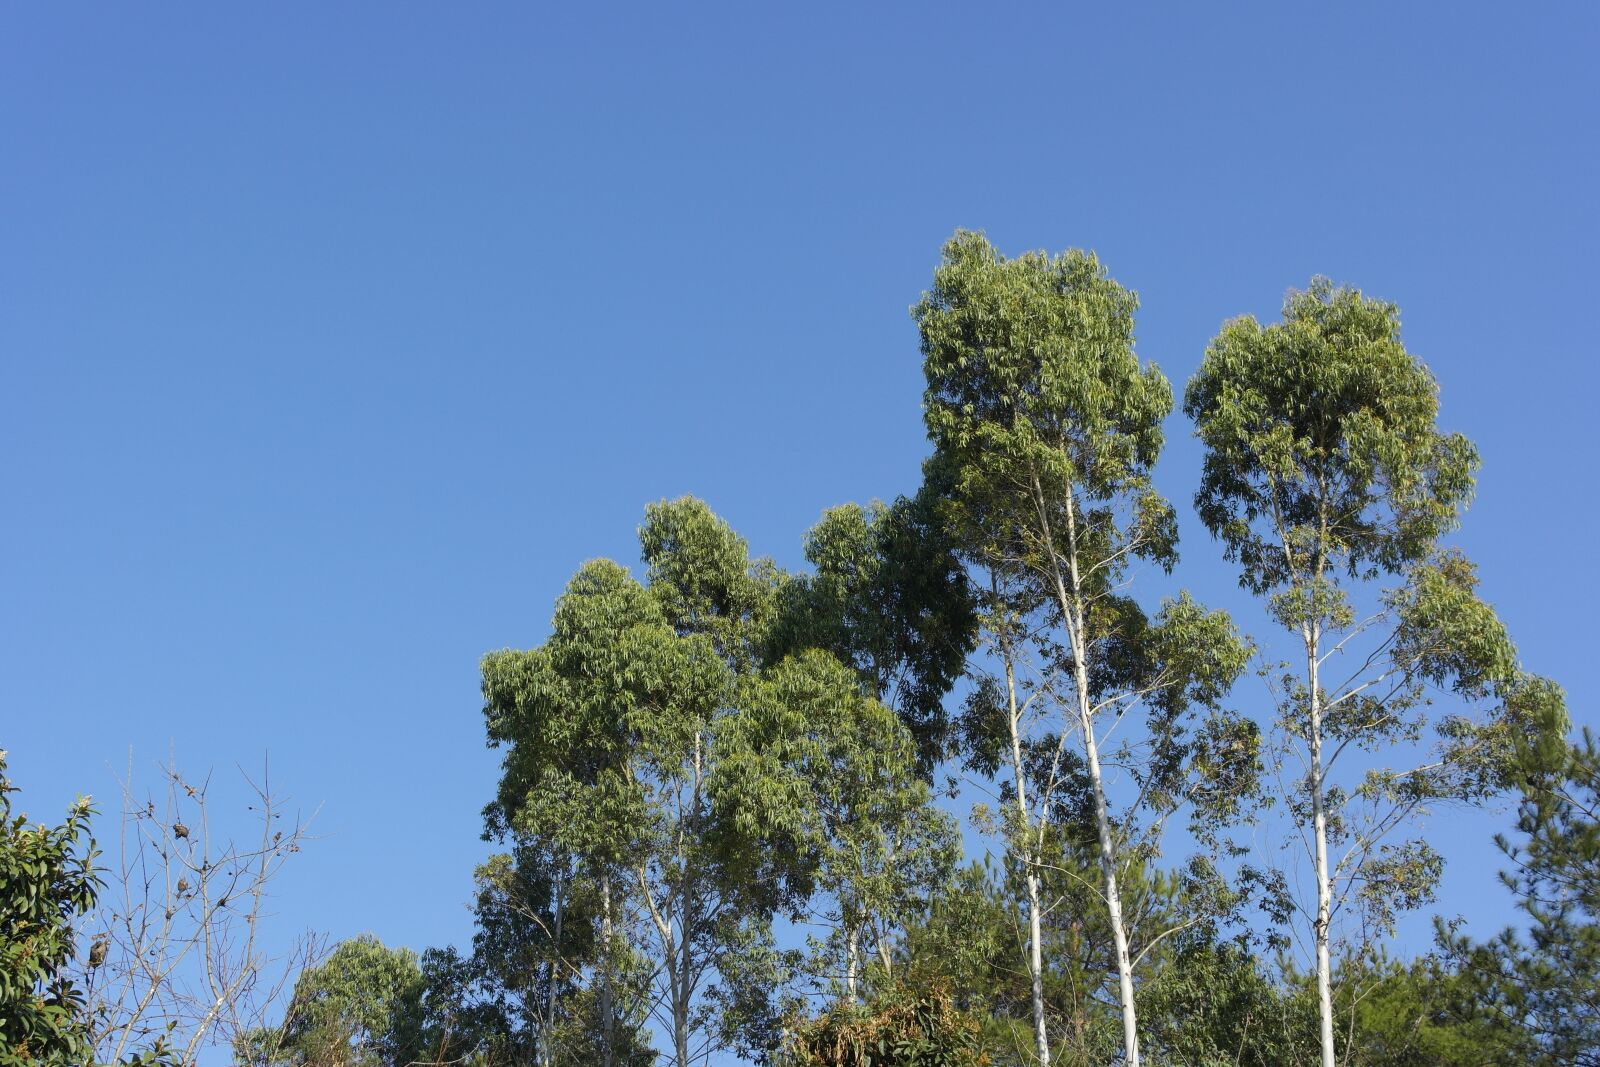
(1543, 986)
(361, 1007)
(1324, 473)
(1032, 377)
(889, 598)
(968, 943)
(829, 776)
(1211, 1005)
(48, 883)
(1046, 427)
(1321, 447)
(701, 574)
(899, 1028)
(614, 760)
(1417, 1015)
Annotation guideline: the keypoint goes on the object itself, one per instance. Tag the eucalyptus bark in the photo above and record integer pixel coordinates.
(1041, 1035)
(1319, 823)
(688, 923)
(1322, 932)
(851, 961)
(554, 978)
(1072, 610)
(608, 1029)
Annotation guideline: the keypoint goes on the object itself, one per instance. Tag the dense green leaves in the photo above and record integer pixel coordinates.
(901, 1028)
(1031, 374)
(830, 777)
(1543, 986)
(889, 598)
(48, 882)
(1322, 452)
(361, 1007)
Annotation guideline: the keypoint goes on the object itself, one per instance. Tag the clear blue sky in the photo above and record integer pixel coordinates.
(333, 337)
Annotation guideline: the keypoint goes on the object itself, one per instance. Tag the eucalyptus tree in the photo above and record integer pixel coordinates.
(1326, 477)
(521, 992)
(709, 887)
(362, 1006)
(610, 728)
(563, 713)
(888, 597)
(821, 770)
(1047, 425)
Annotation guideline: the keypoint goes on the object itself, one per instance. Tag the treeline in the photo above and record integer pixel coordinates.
(738, 803)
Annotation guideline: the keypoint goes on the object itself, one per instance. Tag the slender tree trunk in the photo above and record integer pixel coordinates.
(852, 954)
(554, 979)
(608, 1030)
(1041, 1036)
(1108, 869)
(687, 922)
(607, 1002)
(1319, 824)
(1072, 610)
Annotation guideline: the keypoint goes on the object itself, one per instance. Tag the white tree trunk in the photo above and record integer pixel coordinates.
(1041, 1037)
(549, 1026)
(1072, 610)
(1319, 822)
(851, 958)
(1108, 870)
(608, 1034)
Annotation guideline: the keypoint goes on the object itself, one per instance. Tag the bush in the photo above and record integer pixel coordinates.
(900, 1028)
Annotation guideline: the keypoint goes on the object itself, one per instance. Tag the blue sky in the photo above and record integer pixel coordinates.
(334, 337)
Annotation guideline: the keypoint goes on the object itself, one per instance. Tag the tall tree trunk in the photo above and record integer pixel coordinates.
(608, 1029)
(1319, 823)
(1072, 610)
(687, 922)
(554, 977)
(1041, 1037)
(1108, 870)
(852, 955)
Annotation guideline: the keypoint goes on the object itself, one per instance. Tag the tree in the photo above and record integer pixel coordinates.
(611, 729)
(1047, 426)
(565, 712)
(1213, 1005)
(1544, 986)
(47, 880)
(523, 994)
(361, 1007)
(888, 597)
(534, 935)
(814, 767)
(48, 883)
(1325, 473)
(183, 921)
(902, 1027)
(1421, 1014)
